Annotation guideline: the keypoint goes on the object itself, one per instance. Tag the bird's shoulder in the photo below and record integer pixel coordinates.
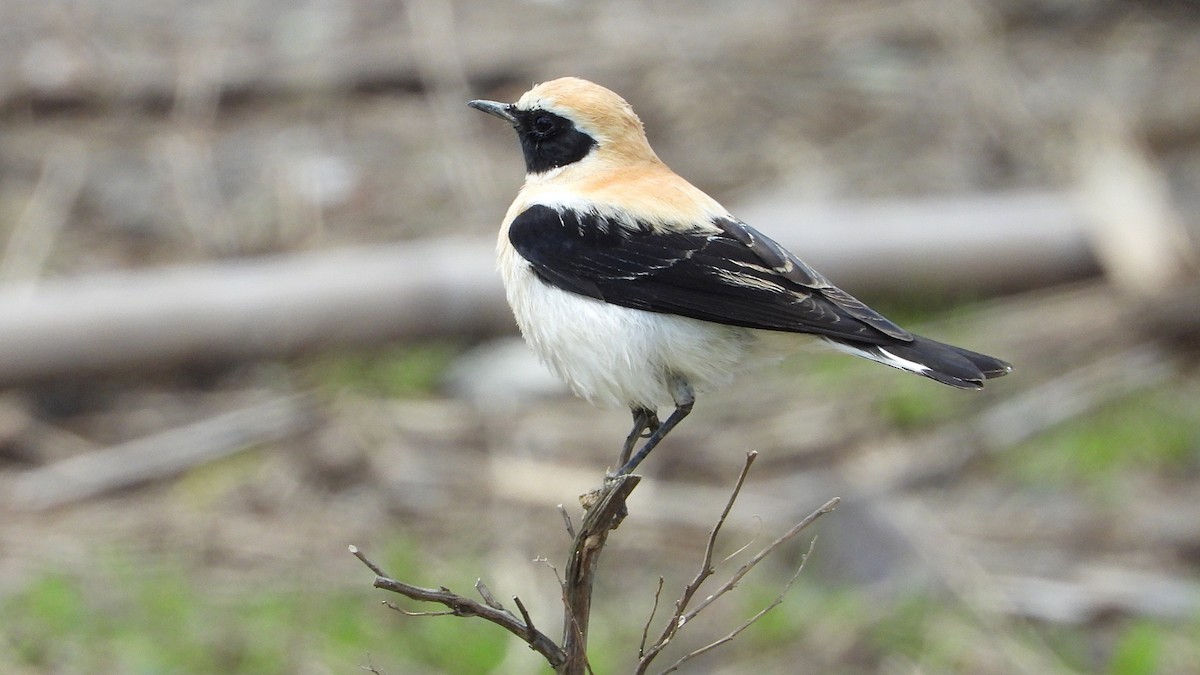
(644, 195)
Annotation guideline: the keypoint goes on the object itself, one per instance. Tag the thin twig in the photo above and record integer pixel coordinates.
(567, 521)
(744, 569)
(370, 565)
(370, 667)
(486, 594)
(749, 622)
(530, 630)
(737, 489)
(742, 549)
(650, 619)
(681, 617)
(406, 612)
(706, 570)
(462, 606)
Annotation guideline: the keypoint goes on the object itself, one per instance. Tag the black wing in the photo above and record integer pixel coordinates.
(736, 276)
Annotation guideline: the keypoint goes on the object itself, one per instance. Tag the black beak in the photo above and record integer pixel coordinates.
(501, 110)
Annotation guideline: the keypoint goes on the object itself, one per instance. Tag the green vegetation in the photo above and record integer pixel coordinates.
(402, 371)
(1147, 432)
(134, 619)
(162, 620)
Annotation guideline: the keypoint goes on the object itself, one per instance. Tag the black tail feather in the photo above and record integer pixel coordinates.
(938, 361)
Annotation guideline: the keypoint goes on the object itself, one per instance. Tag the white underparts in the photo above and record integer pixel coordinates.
(618, 356)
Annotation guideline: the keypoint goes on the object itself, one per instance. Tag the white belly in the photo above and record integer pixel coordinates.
(617, 356)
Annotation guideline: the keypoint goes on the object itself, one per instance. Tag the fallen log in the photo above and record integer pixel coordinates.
(284, 305)
(247, 309)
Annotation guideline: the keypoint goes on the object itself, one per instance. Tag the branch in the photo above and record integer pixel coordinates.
(799, 527)
(749, 622)
(683, 616)
(160, 455)
(461, 606)
(706, 570)
(605, 510)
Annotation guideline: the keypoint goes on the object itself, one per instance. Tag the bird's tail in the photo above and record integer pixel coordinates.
(938, 361)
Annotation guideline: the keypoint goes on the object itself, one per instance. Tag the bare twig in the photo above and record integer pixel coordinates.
(768, 550)
(407, 612)
(741, 549)
(530, 630)
(462, 606)
(370, 667)
(682, 616)
(370, 565)
(749, 622)
(604, 511)
(706, 569)
(650, 619)
(567, 521)
(486, 594)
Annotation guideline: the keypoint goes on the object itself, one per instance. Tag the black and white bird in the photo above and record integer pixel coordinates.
(640, 290)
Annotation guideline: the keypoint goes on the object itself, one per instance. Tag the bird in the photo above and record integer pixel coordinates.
(640, 290)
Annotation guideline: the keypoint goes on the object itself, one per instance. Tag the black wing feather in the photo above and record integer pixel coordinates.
(736, 276)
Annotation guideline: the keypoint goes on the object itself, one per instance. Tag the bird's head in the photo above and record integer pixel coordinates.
(569, 120)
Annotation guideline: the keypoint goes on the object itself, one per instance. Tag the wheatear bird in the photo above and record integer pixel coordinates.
(639, 290)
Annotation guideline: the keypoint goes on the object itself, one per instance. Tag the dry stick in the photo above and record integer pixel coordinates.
(604, 514)
(461, 606)
(749, 622)
(530, 631)
(706, 570)
(406, 612)
(605, 509)
(486, 594)
(160, 455)
(567, 521)
(681, 618)
(650, 619)
(744, 569)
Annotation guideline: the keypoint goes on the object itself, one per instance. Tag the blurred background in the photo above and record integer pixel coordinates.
(248, 316)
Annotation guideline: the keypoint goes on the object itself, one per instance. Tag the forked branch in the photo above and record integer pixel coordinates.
(683, 614)
(463, 606)
(605, 509)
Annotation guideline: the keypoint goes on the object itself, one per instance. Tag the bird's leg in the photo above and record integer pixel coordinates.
(645, 423)
(684, 399)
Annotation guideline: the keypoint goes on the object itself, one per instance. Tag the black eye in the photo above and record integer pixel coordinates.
(543, 125)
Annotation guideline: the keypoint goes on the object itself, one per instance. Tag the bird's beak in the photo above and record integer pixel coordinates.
(501, 110)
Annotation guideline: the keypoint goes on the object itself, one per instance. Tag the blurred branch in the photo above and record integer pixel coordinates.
(160, 455)
(1135, 228)
(1097, 593)
(64, 171)
(1003, 240)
